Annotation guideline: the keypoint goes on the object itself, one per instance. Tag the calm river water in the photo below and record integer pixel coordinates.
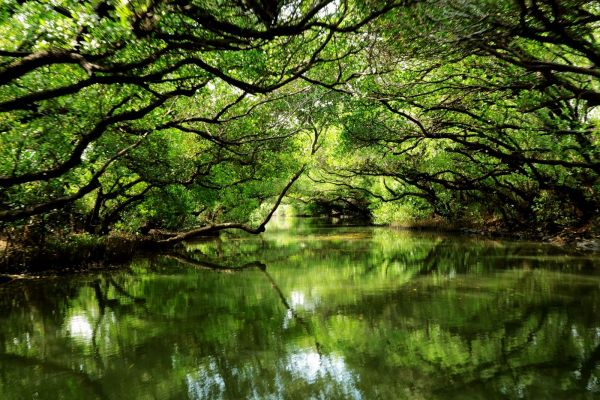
(312, 311)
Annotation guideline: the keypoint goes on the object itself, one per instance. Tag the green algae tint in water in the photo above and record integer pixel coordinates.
(315, 312)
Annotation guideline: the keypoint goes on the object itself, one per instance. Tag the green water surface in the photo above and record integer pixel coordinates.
(311, 311)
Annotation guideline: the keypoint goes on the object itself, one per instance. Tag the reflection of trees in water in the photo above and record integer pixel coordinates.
(501, 345)
(48, 368)
(33, 321)
(309, 365)
(507, 337)
(179, 327)
(421, 253)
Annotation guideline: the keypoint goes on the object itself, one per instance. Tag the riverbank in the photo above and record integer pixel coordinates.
(70, 254)
(84, 252)
(585, 238)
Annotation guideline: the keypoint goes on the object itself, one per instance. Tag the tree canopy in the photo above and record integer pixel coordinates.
(187, 117)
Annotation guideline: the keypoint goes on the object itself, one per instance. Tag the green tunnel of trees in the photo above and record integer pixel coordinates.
(190, 116)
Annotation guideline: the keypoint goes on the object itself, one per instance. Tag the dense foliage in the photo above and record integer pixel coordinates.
(182, 115)
(489, 114)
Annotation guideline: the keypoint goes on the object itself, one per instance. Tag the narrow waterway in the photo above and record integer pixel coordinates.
(309, 310)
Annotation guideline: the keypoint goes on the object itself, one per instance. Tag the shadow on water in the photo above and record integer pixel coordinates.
(345, 312)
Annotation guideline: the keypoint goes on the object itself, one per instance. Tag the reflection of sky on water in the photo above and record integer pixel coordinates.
(93, 331)
(24, 339)
(308, 365)
(326, 376)
(298, 301)
(206, 382)
(79, 328)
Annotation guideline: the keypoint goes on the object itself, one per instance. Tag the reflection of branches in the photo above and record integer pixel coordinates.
(431, 260)
(23, 361)
(589, 364)
(518, 371)
(293, 312)
(263, 268)
(215, 267)
(103, 303)
(125, 293)
(512, 346)
(421, 266)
